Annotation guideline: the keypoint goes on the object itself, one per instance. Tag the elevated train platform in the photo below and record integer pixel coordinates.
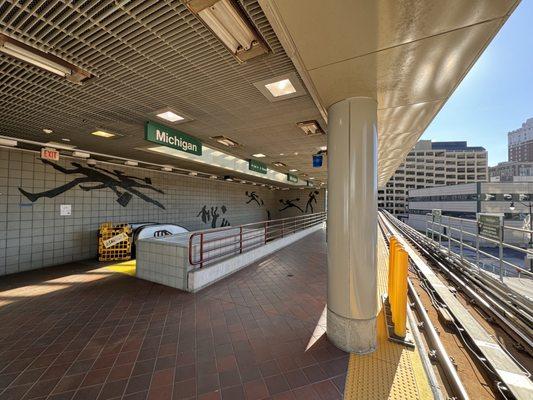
(87, 331)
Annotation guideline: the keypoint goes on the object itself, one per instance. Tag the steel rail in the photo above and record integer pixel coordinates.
(402, 228)
(441, 354)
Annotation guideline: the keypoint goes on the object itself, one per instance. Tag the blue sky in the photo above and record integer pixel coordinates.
(496, 96)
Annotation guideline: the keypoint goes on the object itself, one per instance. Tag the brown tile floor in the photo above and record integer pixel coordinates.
(76, 332)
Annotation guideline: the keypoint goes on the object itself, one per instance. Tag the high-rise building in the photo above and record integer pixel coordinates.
(432, 164)
(520, 142)
(512, 171)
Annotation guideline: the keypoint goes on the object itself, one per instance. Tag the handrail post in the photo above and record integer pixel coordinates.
(266, 230)
(401, 294)
(449, 236)
(501, 256)
(240, 240)
(201, 250)
(282, 227)
(461, 242)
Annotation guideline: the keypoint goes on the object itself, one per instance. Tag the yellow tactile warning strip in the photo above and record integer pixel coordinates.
(125, 267)
(393, 371)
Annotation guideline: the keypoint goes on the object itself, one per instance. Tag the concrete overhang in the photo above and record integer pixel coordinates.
(409, 55)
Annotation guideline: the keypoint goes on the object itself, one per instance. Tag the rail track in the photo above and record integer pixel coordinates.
(499, 304)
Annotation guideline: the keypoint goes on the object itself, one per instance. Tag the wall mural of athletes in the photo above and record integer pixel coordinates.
(293, 203)
(254, 197)
(212, 215)
(96, 178)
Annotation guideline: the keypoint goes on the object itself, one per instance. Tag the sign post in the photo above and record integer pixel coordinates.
(491, 226)
(436, 216)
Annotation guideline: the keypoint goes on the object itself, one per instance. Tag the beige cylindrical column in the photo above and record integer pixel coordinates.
(352, 224)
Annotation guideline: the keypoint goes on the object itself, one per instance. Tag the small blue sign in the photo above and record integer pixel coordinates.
(317, 160)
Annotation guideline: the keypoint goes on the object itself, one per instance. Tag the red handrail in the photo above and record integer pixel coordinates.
(236, 238)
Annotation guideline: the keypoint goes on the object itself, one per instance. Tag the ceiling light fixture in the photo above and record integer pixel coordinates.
(279, 164)
(213, 177)
(170, 116)
(131, 163)
(43, 60)
(310, 128)
(281, 88)
(293, 170)
(91, 161)
(8, 142)
(258, 155)
(228, 178)
(46, 130)
(192, 173)
(65, 139)
(81, 154)
(103, 134)
(166, 169)
(226, 20)
(226, 141)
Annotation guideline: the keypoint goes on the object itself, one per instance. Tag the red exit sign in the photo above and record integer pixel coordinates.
(49, 154)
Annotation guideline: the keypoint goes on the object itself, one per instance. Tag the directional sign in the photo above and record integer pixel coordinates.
(165, 136)
(490, 225)
(436, 215)
(257, 166)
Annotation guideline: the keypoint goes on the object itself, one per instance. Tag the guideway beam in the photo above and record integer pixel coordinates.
(352, 225)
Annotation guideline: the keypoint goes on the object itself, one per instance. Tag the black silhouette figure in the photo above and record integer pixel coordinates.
(254, 197)
(311, 200)
(268, 215)
(103, 180)
(204, 214)
(214, 216)
(290, 204)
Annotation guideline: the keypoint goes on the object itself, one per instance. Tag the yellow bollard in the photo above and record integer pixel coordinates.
(400, 307)
(392, 248)
(394, 286)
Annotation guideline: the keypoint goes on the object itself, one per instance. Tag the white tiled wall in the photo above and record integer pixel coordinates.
(34, 235)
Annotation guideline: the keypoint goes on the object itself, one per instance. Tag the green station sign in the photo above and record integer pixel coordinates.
(257, 166)
(165, 136)
(490, 225)
(292, 178)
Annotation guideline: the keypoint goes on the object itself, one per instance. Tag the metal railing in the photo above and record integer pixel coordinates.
(464, 233)
(212, 245)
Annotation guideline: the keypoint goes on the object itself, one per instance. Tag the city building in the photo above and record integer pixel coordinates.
(431, 164)
(466, 200)
(520, 142)
(511, 171)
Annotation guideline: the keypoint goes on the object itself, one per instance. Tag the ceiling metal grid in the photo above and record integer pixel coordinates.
(146, 55)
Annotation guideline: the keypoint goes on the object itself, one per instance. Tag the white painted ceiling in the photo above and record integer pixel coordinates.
(409, 55)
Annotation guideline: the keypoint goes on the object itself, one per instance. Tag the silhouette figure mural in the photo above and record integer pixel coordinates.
(212, 215)
(311, 200)
(253, 196)
(124, 186)
(290, 204)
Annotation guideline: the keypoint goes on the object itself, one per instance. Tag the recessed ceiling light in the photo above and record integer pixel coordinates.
(166, 169)
(323, 148)
(226, 141)
(228, 178)
(281, 154)
(295, 153)
(281, 88)
(103, 134)
(46, 130)
(279, 164)
(311, 178)
(91, 161)
(258, 155)
(293, 170)
(131, 163)
(310, 128)
(213, 177)
(192, 173)
(65, 140)
(170, 116)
